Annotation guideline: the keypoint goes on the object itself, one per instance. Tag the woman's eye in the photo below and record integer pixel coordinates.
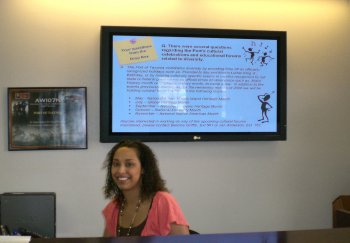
(115, 164)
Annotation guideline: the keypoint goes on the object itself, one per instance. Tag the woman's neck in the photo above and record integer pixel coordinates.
(132, 197)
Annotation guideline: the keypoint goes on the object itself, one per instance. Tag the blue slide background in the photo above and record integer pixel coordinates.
(241, 105)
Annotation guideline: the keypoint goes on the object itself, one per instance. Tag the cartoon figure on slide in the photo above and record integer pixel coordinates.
(265, 107)
(265, 59)
(252, 54)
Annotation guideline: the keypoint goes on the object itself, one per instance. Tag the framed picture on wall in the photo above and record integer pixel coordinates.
(47, 118)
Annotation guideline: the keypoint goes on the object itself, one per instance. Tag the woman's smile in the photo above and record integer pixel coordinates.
(122, 179)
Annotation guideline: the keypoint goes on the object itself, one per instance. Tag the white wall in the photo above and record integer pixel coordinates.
(222, 186)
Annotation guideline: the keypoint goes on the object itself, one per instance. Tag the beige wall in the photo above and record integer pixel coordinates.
(222, 186)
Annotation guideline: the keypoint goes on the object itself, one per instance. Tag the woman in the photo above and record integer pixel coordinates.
(141, 204)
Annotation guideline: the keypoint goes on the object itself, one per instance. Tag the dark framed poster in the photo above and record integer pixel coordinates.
(47, 118)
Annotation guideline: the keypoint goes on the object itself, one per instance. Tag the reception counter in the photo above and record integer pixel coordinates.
(339, 235)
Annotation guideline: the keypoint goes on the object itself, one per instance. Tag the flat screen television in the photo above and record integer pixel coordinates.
(187, 84)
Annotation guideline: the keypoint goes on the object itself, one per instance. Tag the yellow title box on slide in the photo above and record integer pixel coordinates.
(135, 50)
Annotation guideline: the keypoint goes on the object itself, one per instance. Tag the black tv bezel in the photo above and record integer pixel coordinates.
(106, 65)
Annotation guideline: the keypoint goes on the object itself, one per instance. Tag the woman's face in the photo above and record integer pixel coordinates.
(126, 169)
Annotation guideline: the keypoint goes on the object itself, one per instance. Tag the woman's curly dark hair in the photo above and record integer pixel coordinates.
(151, 178)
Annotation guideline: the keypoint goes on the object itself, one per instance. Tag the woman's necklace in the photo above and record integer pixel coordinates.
(121, 213)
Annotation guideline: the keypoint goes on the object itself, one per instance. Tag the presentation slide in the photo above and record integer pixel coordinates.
(193, 84)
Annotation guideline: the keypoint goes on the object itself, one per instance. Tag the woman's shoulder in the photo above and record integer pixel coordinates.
(164, 197)
(110, 206)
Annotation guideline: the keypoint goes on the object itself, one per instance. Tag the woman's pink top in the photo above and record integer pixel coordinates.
(164, 211)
